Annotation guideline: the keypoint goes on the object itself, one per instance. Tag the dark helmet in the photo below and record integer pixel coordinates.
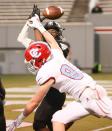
(64, 45)
(54, 25)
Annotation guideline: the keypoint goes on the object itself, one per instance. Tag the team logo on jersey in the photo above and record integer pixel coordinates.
(34, 53)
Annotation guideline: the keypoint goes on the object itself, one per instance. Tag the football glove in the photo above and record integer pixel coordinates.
(34, 22)
(16, 122)
(36, 10)
(13, 125)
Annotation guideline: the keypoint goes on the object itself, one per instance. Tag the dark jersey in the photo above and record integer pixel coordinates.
(2, 91)
(65, 46)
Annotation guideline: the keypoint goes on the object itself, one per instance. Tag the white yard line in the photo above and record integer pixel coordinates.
(22, 102)
(104, 81)
(18, 96)
(26, 96)
(15, 102)
(103, 129)
(23, 90)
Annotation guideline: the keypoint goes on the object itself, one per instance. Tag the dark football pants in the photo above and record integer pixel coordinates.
(52, 102)
(2, 117)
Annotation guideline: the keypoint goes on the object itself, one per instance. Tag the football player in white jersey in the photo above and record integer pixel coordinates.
(53, 70)
(54, 100)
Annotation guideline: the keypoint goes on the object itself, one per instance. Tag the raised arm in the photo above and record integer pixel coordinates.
(35, 23)
(23, 36)
(38, 35)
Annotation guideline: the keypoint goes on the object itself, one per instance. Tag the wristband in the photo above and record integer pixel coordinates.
(21, 117)
(41, 28)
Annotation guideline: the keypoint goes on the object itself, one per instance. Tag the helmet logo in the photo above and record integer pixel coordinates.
(34, 53)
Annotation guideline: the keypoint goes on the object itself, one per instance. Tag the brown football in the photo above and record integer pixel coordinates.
(53, 12)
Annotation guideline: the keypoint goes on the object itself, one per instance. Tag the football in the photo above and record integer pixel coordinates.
(53, 12)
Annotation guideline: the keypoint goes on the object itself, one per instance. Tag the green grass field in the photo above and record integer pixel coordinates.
(89, 123)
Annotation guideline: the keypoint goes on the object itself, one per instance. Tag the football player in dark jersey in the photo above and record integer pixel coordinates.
(2, 116)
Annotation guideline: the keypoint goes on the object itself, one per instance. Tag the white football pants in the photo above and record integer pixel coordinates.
(93, 101)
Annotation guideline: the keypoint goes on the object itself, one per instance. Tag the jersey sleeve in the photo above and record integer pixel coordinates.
(51, 69)
(43, 77)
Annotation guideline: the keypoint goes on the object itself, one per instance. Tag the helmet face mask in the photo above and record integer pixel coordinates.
(31, 67)
(36, 55)
(55, 26)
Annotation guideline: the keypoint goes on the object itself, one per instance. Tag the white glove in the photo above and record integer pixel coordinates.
(13, 125)
(34, 22)
(16, 122)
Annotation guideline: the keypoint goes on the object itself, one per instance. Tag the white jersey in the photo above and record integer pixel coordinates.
(68, 78)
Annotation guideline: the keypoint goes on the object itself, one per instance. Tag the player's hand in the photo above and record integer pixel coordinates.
(34, 22)
(14, 125)
(36, 10)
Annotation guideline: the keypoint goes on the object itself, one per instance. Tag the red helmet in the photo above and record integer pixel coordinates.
(36, 55)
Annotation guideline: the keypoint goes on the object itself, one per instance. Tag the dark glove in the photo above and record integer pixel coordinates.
(36, 10)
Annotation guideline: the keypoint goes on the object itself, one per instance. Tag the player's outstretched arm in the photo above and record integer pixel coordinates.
(37, 98)
(38, 36)
(23, 36)
(32, 104)
(34, 22)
